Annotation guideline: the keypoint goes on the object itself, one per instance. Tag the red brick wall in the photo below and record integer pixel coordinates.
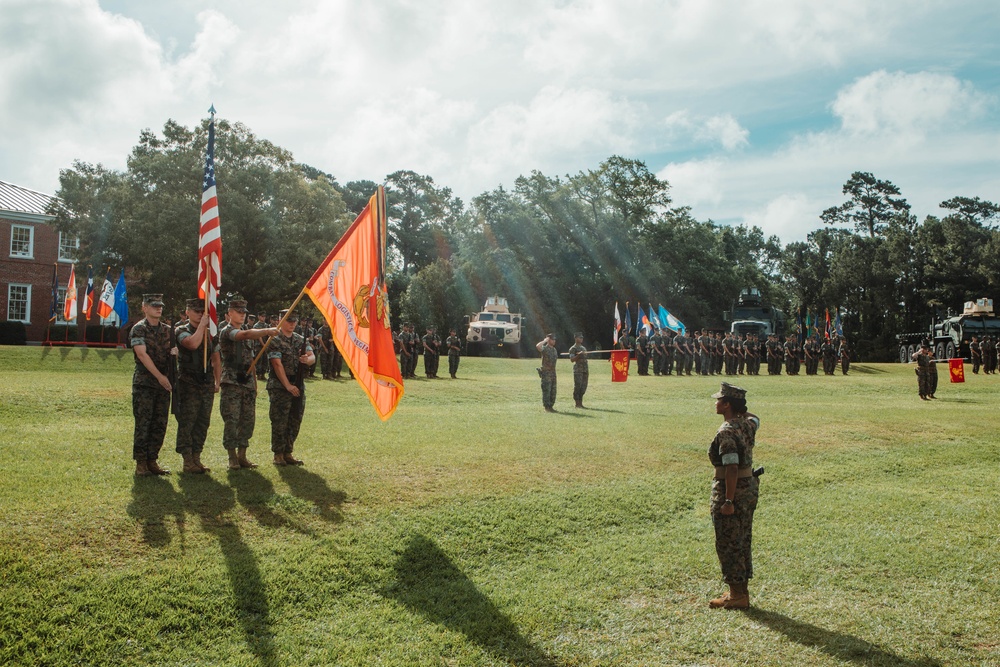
(36, 271)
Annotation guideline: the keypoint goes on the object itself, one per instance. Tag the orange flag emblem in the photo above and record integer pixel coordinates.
(349, 289)
(957, 368)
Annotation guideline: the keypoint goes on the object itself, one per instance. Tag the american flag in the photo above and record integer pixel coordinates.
(210, 240)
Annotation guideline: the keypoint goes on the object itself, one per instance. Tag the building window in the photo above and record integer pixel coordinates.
(19, 303)
(68, 246)
(22, 239)
(61, 306)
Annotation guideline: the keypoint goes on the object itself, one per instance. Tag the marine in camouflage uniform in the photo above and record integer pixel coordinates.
(454, 345)
(430, 348)
(656, 351)
(829, 353)
(845, 356)
(925, 359)
(581, 372)
(196, 385)
(734, 494)
(238, 393)
(287, 400)
(324, 340)
(547, 372)
(976, 353)
(150, 342)
(642, 352)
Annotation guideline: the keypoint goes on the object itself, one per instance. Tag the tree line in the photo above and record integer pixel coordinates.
(562, 249)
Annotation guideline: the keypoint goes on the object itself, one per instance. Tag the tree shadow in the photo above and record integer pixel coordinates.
(310, 486)
(153, 500)
(254, 492)
(209, 500)
(835, 644)
(427, 582)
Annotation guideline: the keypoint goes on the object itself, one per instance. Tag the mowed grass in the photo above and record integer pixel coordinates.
(475, 529)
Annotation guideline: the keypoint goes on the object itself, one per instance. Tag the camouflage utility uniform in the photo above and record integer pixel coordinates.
(195, 391)
(238, 396)
(150, 401)
(548, 375)
(733, 444)
(285, 411)
(454, 345)
(581, 373)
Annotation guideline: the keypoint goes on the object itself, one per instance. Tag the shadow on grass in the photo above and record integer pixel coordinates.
(835, 644)
(253, 492)
(427, 582)
(573, 413)
(866, 370)
(208, 499)
(153, 501)
(313, 488)
(590, 409)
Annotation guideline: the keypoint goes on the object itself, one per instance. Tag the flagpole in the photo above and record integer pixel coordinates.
(267, 342)
(208, 283)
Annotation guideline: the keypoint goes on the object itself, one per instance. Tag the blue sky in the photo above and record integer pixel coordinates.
(756, 112)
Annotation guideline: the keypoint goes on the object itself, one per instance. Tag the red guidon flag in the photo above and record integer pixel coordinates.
(619, 365)
(349, 289)
(957, 369)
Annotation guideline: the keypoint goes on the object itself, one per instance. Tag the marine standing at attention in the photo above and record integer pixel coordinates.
(581, 373)
(734, 494)
(454, 345)
(238, 395)
(288, 351)
(150, 342)
(547, 372)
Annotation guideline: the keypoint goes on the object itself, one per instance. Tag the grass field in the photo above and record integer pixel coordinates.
(475, 529)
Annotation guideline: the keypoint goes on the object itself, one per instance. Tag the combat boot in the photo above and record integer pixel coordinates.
(155, 468)
(190, 467)
(142, 469)
(720, 602)
(292, 461)
(244, 461)
(234, 460)
(739, 597)
(197, 462)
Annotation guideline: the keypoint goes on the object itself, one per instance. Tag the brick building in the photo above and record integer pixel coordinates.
(29, 249)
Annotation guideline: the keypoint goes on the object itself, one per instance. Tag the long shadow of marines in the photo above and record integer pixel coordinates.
(155, 502)
(313, 488)
(429, 583)
(835, 644)
(209, 500)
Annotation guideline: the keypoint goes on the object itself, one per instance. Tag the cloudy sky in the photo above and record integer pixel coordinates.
(755, 111)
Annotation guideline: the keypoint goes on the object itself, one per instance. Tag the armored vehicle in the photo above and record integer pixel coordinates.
(494, 329)
(750, 314)
(950, 337)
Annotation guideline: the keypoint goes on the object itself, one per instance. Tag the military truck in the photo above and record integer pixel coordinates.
(750, 314)
(494, 329)
(950, 337)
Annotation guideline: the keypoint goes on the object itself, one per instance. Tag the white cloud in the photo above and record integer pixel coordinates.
(683, 127)
(790, 216)
(901, 103)
(696, 181)
(556, 122)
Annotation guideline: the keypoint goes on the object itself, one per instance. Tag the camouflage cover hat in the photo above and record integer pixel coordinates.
(238, 304)
(197, 305)
(730, 391)
(292, 317)
(152, 299)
